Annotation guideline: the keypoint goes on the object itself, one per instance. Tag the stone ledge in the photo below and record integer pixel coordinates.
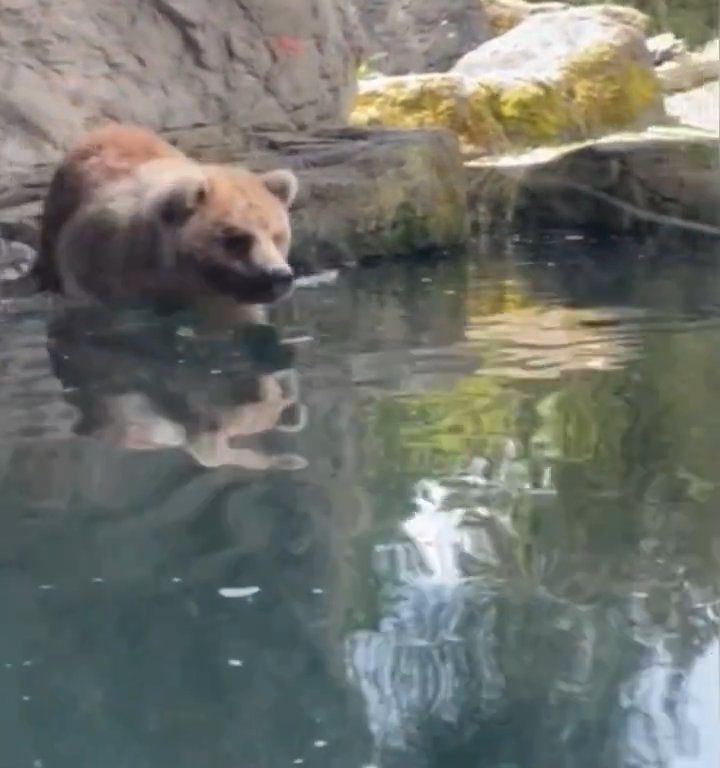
(659, 178)
(364, 193)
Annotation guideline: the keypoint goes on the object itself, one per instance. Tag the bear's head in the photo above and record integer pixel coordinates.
(231, 227)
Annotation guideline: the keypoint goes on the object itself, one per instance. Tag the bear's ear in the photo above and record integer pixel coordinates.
(283, 184)
(179, 202)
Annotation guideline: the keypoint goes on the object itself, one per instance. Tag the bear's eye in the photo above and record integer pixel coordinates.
(238, 243)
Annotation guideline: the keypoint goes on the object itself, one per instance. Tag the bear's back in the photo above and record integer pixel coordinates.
(100, 158)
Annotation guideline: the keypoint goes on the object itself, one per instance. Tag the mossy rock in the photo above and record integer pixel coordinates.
(558, 76)
(431, 101)
(368, 194)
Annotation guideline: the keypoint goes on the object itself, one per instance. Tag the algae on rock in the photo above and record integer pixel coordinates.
(380, 193)
(557, 76)
(431, 101)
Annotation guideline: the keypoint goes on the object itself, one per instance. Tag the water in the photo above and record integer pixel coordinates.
(455, 514)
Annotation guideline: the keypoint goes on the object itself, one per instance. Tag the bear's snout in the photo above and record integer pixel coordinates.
(280, 281)
(262, 285)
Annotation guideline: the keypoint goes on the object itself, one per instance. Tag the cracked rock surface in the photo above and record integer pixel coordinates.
(421, 35)
(168, 64)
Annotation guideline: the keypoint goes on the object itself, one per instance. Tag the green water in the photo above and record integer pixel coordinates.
(458, 514)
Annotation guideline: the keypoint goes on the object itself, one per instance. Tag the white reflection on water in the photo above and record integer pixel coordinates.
(467, 632)
(703, 710)
(671, 719)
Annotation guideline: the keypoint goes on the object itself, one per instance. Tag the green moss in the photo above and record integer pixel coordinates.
(608, 92)
(597, 91)
(533, 113)
(420, 205)
(431, 101)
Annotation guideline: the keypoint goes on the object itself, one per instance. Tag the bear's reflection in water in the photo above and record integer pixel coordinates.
(144, 383)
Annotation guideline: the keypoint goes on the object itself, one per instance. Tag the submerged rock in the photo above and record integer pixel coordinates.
(557, 76)
(665, 177)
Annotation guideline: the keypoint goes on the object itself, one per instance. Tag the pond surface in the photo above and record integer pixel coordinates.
(458, 514)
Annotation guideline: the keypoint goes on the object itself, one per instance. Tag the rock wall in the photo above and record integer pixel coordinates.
(168, 64)
(421, 35)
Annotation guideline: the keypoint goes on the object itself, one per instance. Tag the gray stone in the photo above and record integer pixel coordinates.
(663, 178)
(168, 64)
(421, 35)
(690, 69)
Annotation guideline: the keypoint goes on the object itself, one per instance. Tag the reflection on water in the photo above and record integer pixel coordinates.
(460, 514)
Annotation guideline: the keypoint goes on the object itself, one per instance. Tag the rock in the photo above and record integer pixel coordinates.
(622, 183)
(503, 15)
(432, 101)
(690, 69)
(14, 259)
(421, 35)
(567, 74)
(379, 194)
(169, 64)
(363, 193)
(557, 76)
(699, 107)
(665, 47)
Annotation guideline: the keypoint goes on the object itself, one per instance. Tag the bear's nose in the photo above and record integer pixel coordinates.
(281, 276)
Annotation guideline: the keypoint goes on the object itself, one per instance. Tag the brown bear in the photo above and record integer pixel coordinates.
(128, 216)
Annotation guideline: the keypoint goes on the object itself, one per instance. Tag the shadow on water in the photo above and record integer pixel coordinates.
(450, 514)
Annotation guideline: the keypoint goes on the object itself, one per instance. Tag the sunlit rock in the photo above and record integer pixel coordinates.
(691, 69)
(445, 100)
(558, 75)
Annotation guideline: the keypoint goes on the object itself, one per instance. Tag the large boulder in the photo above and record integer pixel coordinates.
(662, 178)
(369, 194)
(169, 64)
(557, 76)
(421, 35)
